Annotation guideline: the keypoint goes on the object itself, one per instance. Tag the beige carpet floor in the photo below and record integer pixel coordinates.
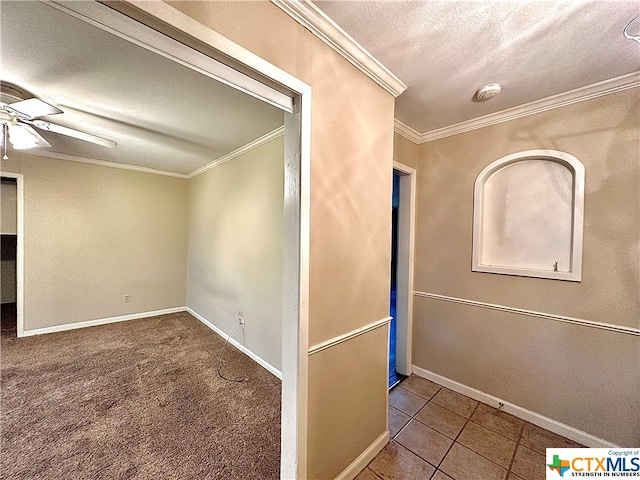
(135, 400)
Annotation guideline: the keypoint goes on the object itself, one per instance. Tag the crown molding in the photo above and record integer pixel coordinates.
(102, 163)
(406, 131)
(278, 132)
(600, 89)
(317, 22)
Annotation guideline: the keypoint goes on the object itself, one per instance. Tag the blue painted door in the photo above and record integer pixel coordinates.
(393, 376)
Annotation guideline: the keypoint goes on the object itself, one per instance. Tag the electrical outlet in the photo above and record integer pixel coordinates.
(127, 298)
(241, 318)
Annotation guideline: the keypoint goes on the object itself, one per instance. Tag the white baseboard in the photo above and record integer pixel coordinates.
(100, 321)
(532, 417)
(364, 458)
(238, 345)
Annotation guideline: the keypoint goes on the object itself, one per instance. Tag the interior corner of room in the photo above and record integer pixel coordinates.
(549, 348)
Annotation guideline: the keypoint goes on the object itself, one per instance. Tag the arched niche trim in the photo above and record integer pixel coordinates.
(528, 212)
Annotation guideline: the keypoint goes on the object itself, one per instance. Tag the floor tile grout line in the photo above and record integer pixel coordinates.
(481, 455)
(400, 431)
(517, 442)
(412, 417)
(433, 428)
(374, 473)
(417, 394)
(417, 455)
(493, 431)
(467, 420)
(472, 450)
(513, 458)
(456, 439)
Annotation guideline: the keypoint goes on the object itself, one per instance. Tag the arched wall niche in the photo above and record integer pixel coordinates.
(528, 216)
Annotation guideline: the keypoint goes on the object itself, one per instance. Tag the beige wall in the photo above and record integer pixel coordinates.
(235, 247)
(351, 164)
(93, 234)
(405, 151)
(363, 368)
(585, 377)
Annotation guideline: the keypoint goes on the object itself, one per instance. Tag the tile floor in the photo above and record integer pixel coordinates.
(439, 434)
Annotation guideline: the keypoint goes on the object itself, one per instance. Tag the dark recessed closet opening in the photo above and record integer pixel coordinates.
(8, 247)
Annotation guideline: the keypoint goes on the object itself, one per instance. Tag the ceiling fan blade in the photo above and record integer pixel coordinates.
(70, 132)
(23, 137)
(39, 138)
(34, 108)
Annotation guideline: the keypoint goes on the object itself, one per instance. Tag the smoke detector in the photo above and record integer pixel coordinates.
(487, 92)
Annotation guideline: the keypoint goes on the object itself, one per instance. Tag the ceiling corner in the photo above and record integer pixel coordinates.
(307, 14)
(406, 131)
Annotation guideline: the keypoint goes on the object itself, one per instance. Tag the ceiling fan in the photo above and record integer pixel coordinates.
(20, 119)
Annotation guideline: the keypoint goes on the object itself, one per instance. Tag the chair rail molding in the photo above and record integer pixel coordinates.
(532, 313)
(348, 336)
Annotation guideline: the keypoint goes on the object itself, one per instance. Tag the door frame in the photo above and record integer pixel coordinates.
(19, 249)
(131, 20)
(405, 266)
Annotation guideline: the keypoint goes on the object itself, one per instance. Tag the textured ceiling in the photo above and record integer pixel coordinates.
(163, 115)
(445, 50)
(168, 117)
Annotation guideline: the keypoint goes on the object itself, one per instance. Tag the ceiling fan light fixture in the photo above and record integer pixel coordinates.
(21, 138)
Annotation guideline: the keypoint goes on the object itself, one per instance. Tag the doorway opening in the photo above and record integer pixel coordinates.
(9, 247)
(163, 29)
(401, 287)
(394, 377)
